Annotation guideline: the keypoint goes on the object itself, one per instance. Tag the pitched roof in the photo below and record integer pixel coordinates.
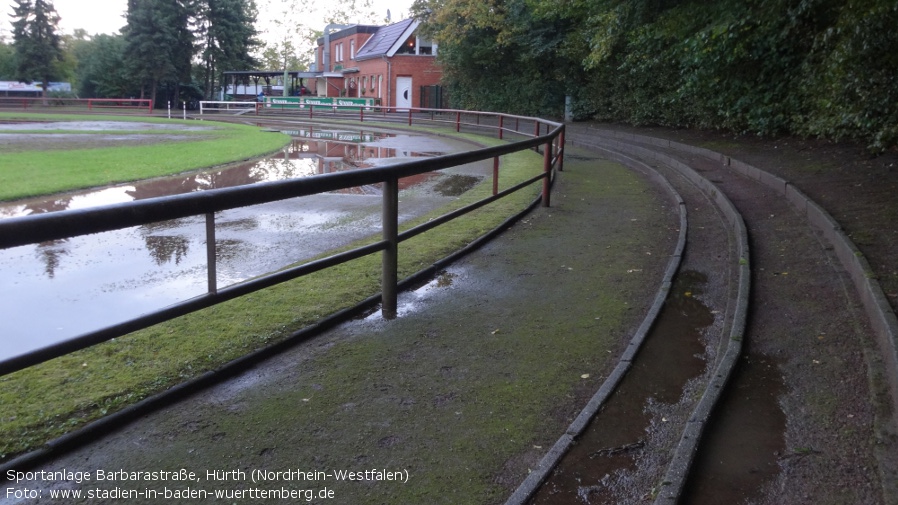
(386, 37)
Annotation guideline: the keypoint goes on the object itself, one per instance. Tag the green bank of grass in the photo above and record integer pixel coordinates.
(34, 171)
(45, 401)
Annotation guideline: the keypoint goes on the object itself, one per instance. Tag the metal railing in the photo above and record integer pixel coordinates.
(71, 223)
(32, 104)
(227, 106)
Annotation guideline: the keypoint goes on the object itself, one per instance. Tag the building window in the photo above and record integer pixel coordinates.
(408, 47)
(426, 47)
(352, 49)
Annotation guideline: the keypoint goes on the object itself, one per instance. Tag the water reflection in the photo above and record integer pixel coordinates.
(56, 290)
(50, 253)
(310, 153)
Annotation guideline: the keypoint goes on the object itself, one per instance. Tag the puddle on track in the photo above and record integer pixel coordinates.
(600, 465)
(750, 408)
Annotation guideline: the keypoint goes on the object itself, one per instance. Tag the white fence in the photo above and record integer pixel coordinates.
(237, 107)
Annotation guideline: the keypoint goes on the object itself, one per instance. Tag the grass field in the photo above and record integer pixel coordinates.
(65, 159)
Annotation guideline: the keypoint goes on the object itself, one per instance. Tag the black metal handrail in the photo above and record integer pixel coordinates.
(72, 223)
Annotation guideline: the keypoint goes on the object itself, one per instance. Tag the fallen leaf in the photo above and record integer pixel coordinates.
(494, 331)
(584, 376)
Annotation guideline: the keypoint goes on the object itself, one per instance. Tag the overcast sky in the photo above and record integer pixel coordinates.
(107, 16)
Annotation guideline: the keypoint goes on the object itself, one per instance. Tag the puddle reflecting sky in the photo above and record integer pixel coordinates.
(56, 290)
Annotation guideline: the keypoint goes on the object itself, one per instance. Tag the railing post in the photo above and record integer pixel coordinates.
(210, 253)
(561, 150)
(361, 114)
(389, 290)
(495, 176)
(536, 133)
(547, 169)
(409, 116)
(501, 127)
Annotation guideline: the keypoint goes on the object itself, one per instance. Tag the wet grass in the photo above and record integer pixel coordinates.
(31, 170)
(45, 401)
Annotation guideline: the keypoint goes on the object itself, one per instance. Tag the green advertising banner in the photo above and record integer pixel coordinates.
(318, 103)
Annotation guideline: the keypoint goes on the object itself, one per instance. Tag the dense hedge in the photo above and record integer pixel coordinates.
(819, 68)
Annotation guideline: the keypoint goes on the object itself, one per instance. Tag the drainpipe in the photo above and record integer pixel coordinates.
(327, 45)
(389, 81)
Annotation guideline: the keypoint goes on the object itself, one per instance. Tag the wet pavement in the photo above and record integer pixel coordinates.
(57, 290)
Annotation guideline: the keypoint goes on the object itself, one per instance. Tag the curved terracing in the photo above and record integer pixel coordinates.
(809, 413)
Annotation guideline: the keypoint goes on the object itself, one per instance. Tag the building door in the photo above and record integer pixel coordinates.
(403, 93)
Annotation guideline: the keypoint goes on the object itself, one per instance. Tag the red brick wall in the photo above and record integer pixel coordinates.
(423, 70)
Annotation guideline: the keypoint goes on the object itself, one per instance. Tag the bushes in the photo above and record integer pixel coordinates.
(820, 68)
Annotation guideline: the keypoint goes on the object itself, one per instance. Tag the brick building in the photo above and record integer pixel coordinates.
(390, 63)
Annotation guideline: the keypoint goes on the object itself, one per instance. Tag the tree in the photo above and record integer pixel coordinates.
(279, 55)
(36, 43)
(7, 61)
(228, 38)
(159, 44)
(101, 70)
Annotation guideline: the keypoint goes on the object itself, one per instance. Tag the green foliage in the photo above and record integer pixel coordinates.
(228, 37)
(101, 69)
(36, 43)
(7, 61)
(852, 72)
(768, 67)
(159, 43)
